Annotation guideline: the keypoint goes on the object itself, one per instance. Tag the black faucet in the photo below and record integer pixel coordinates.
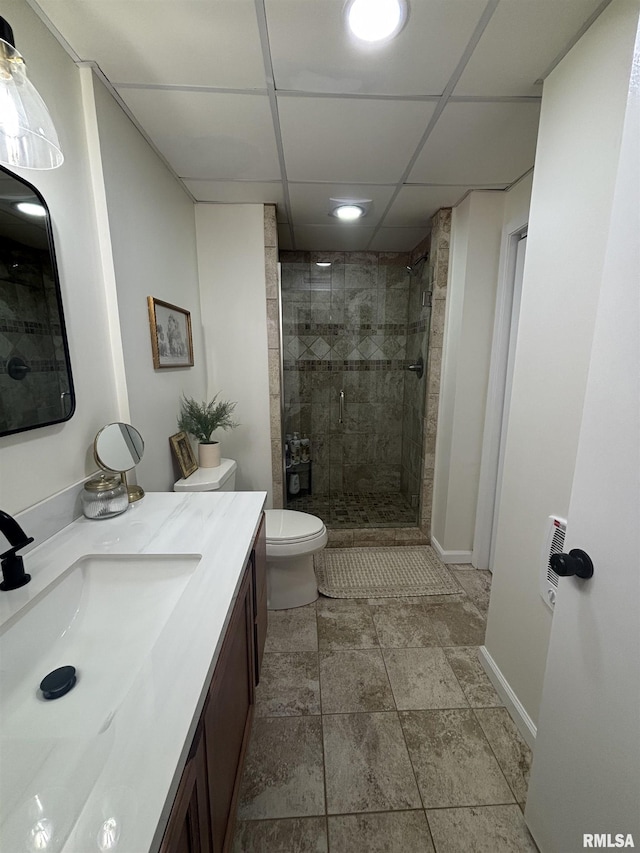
(12, 565)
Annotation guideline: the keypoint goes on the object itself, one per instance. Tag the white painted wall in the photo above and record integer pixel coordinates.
(578, 146)
(234, 317)
(476, 228)
(39, 463)
(153, 244)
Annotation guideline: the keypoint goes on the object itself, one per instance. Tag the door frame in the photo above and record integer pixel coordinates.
(497, 393)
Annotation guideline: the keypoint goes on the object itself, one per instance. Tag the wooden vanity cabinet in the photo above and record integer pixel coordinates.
(203, 815)
(227, 716)
(188, 828)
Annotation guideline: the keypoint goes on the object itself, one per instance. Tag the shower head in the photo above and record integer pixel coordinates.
(417, 265)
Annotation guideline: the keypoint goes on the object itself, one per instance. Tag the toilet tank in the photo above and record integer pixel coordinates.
(220, 479)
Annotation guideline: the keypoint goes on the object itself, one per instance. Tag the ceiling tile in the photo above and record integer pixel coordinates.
(397, 239)
(231, 192)
(311, 51)
(414, 206)
(479, 143)
(310, 202)
(188, 43)
(519, 44)
(207, 135)
(344, 140)
(336, 238)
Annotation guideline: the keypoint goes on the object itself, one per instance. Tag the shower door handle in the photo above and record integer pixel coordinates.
(417, 367)
(341, 407)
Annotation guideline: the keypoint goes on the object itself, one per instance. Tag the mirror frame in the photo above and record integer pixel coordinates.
(58, 290)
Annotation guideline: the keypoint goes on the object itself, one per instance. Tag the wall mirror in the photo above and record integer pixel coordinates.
(36, 387)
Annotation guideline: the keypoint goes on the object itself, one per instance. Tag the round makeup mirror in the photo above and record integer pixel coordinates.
(119, 447)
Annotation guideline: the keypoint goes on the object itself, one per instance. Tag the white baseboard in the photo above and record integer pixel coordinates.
(450, 556)
(523, 721)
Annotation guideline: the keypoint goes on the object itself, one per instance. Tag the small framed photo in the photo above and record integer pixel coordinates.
(171, 341)
(183, 453)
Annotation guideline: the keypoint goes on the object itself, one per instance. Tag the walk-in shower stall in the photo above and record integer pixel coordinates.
(355, 341)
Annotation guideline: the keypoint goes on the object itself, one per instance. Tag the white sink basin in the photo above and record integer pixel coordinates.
(102, 616)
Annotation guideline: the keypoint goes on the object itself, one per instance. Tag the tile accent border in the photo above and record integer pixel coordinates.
(274, 343)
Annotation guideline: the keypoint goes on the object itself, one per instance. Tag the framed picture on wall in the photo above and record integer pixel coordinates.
(183, 453)
(171, 341)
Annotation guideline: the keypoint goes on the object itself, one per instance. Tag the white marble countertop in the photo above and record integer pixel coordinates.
(113, 791)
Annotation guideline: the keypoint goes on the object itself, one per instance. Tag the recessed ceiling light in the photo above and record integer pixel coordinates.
(376, 20)
(348, 212)
(323, 263)
(30, 208)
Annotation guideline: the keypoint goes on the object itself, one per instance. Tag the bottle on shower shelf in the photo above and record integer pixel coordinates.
(295, 449)
(305, 449)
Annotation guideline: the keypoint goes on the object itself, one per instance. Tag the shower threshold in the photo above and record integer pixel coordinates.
(358, 509)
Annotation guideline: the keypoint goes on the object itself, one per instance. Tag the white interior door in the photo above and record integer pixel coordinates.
(585, 778)
(498, 400)
(521, 248)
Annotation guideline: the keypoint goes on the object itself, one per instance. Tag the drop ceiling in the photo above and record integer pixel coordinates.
(270, 101)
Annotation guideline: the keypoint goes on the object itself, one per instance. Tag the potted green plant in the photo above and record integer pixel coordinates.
(200, 420)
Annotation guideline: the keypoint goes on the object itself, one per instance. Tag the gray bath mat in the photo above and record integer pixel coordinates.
(383, 572)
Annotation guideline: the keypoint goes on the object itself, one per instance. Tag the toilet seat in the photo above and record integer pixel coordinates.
(291, 534)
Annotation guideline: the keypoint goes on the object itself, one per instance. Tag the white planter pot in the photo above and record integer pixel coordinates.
(209, 455)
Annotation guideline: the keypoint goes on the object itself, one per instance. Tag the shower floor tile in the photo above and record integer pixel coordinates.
(358, 509)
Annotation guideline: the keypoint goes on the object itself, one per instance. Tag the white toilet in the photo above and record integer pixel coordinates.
(292, 540)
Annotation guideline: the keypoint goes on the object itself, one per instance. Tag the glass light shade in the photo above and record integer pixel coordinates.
(28, 137)
(376, 20)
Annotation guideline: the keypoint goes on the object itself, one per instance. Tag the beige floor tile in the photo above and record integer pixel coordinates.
(387, 832)
(346, 627)
(456, 623)
(289, 685)
(491, 829)
(477, 584)
(367, 764)
(452, 760)
(283, 774)
(292, 630)
(422, 678)
(473, 679)
(403, 625)
(513, 754)
(354, 680)
(289, 835)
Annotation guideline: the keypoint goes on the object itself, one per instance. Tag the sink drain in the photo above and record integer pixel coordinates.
(58, 682)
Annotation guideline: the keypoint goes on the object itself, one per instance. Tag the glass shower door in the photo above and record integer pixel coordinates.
(348, 341)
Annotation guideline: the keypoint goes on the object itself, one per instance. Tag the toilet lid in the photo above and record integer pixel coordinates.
(287, 525)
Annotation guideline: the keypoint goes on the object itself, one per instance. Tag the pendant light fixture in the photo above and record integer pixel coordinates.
(28, 137)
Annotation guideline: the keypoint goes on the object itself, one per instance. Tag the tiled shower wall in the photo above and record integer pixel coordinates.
(438, 275)
(413, 410)
(27, 303)
(345, 328)
(272, 286)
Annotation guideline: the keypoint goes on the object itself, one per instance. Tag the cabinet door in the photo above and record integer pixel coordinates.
(188, 827)
(259, 567)
(227, 717)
